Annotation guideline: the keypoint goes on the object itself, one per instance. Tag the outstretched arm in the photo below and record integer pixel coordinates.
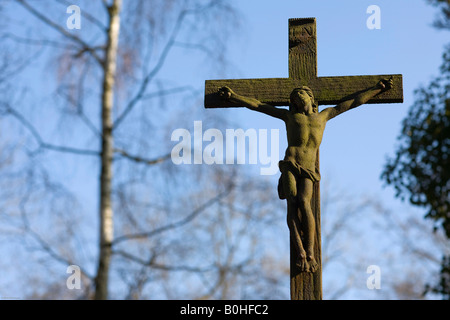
(358, 100)
(250, 103)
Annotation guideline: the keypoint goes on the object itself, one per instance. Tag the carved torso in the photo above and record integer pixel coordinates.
(304, 135)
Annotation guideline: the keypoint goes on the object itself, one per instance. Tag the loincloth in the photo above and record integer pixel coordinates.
(298, 172)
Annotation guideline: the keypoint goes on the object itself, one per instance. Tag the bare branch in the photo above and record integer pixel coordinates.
(142, 160)
(37, 42)
(168, 92)
(42, 243)
(41, 142)
(88, 16)
(52, 253)
(143, 87)
(154, 265)
(143, 96)
(162, 58)
(70, 150)
(105, 3)
(80, 110)
(224, 272)
(61, 30)
(174, 225)
(6, 74)
(193, 46)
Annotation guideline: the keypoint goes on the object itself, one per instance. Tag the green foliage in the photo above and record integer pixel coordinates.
(443, 286)
(421, 168)
(443, 18)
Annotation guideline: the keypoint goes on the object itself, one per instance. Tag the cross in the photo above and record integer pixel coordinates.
(327, 91)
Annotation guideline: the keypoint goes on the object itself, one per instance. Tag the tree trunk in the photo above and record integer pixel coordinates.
(106, 212)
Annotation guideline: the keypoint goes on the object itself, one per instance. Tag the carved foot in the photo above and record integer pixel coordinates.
(313, 265)
(306, 264)
(301, 262)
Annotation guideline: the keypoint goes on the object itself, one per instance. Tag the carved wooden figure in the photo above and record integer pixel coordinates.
(303, 92)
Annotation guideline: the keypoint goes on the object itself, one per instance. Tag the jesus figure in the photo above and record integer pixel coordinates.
(304, 128)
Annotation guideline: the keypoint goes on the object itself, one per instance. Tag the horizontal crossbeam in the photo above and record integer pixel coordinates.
(327, 90)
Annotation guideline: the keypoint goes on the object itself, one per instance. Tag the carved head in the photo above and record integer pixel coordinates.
(295, 99)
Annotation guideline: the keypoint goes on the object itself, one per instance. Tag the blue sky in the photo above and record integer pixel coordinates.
(356, 144)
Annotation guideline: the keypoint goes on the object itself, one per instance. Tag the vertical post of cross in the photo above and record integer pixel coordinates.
(303, 67)
(327, 91)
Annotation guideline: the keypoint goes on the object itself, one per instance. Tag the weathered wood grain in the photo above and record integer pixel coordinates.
(302, 48)
(327, 90)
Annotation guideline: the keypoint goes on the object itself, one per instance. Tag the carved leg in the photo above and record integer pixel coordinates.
(294, 228)
(308, 226)
(293, 218)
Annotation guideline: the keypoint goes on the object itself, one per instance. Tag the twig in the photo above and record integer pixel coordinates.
(174, 225)
(143, 87)
(142, 160)
(151, 264)
(86, 15)
(44, 244)
(61, 30)
(41, 142)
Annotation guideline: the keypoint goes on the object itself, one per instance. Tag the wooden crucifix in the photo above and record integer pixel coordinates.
(303, 91)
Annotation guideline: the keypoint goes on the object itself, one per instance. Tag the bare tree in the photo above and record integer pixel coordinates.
(114, 62)
(86, 174)
(217, 251)
(360, 231)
